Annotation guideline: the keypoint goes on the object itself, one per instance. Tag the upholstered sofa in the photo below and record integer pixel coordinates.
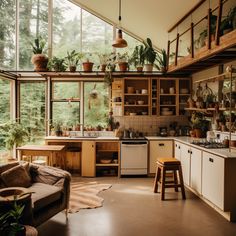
(50, 187)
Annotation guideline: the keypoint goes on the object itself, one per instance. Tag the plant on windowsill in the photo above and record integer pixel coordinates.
(39, 59)
(162, 61)
(87, 64)
(103, 61)
(15, 134)
(57, 128)
(57, 64)
(72, 60)
(122, 61)
(137, 58)
(149, 55)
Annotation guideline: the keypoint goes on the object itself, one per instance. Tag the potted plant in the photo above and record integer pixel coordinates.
(88, 65)
(15, 134)
(137, 58)
(10, 221)
(103, 60)
(122, 61)
(57, 127)
(72, 59)
(57, 64)
(149, 55)
(162, 61)
(111, 65)
(39, 59)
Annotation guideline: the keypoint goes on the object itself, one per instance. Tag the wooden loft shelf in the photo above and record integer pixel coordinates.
(205, 58)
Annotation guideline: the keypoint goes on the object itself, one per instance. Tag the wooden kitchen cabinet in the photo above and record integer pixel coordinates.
(158, 149)
(88, 159)
(185, 162)
(213, 179)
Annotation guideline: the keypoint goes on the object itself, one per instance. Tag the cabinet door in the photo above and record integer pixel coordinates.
(185, 161)
(88, 159)
(213, 179)
(177, 151)
(157, 149)
(196, 170)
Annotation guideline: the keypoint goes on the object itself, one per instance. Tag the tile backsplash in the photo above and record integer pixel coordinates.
(150, 124)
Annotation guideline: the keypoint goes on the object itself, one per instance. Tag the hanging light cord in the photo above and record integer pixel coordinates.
(119, 10)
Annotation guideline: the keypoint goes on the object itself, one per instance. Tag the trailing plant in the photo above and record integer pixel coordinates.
(58, 64)
(137, 58)
(103, 58)
(15, 133)
(38, 45)
(149, 52)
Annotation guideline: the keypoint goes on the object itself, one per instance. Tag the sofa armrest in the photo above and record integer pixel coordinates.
(52, 176)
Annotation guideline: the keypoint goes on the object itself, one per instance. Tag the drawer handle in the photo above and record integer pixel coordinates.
(191, 152)
(161, 144)
(188, 151)
(211, 159)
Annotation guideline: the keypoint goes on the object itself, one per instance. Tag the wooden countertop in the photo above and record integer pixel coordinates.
(55, 148)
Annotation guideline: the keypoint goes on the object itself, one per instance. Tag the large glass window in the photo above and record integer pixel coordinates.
(33, 23)
(32, 109)
(96, 104)
(5, 108)
(7, 34)
(66, 27)
(66, 103)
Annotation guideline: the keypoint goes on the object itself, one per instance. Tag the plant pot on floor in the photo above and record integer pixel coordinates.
(88, 66)
(40, 62)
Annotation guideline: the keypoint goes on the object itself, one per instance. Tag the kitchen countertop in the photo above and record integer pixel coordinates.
(223, 152)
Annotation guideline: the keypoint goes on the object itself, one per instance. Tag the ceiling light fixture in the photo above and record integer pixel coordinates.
(119, 41)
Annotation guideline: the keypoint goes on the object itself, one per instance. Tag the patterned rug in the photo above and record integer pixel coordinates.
(84, 195)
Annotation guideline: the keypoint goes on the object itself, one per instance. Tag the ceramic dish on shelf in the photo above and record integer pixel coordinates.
(130, 90)
(167, 113)
(165, 109)
(105, 161)
(140, 102)
(144, 91)
(144, 113)
(132, 113)
(183, 91)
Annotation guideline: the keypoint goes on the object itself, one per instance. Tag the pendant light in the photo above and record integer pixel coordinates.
(119, 41)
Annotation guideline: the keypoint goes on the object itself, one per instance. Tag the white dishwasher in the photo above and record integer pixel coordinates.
(134, 157)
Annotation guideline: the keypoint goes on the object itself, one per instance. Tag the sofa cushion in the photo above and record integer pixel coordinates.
(44, 194)
(16, 177)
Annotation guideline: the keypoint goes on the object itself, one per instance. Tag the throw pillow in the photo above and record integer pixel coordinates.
(16, 177)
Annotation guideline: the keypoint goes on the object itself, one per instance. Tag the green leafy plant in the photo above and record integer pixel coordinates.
(38, 45)
(10, 221)
(73, 58)
(15, 133)
(137, 58)
(162, 61)
(122, 57)
(198, 121)
(57, 64)
(149, 52)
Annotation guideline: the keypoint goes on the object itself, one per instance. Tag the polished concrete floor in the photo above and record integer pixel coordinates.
(131, 208)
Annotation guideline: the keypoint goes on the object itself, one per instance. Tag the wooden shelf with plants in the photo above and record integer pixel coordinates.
(107, 158)
(136, 96)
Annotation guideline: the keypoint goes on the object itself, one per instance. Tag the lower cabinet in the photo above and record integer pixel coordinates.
(213, 179)
(196, 170)
(88, 159)
(158, 149)
(177, 146)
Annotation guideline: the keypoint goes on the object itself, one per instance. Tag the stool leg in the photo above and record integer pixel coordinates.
(163, 180)
(175, 181)
(182, 182)
(157, 178)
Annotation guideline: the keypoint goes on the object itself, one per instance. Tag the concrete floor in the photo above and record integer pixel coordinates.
(131, 208)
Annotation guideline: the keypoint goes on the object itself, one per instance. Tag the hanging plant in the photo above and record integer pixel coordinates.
(93, 97)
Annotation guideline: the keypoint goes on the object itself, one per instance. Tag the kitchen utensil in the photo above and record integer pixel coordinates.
(163, 131)
(105, 161)
(144, 113)
(132, 113)
(206, 92)
(226, 142)
(165, 109)
(199, 91)
(167, 113)
(130, 89)
(144, 91)
(172, 90)
(140, 102)
(183, 90)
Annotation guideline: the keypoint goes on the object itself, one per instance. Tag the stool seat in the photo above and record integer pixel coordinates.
(165, 165)
(168, 161)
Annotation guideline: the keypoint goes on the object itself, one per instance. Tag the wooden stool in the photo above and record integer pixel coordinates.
(169, 164)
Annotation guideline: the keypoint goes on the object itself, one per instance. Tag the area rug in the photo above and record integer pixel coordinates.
(84, 195)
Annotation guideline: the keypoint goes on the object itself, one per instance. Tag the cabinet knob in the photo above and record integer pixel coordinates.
(211, 159)
(191, 152)
(188, 151)
(179, 147)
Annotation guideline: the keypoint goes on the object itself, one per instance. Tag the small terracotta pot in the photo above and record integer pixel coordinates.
(88, 66)
(40, 62)
(139, 69)
(123, 66)
(198, 133)
(103, 67)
